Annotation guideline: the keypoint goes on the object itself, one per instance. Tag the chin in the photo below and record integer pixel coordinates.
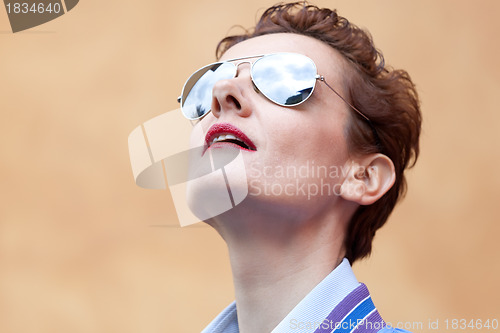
(218, 183)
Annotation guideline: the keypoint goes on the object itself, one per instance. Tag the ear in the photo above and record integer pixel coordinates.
(368, 179)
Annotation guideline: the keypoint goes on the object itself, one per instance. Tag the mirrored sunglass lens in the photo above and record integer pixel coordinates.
(197, 93)
(285, 78)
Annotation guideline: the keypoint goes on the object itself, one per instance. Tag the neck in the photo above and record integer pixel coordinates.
(276, 264)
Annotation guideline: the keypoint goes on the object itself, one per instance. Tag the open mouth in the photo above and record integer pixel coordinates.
(227, 134)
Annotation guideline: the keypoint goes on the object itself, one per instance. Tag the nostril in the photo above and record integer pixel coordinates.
(231, 100)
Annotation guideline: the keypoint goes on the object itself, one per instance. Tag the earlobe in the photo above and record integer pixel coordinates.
(368, 179)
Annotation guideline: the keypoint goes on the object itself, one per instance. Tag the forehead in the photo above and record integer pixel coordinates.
(330, 62)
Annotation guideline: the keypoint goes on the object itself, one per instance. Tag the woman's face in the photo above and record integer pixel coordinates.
(300, 153)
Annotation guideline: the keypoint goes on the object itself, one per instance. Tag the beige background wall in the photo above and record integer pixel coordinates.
(79, 249)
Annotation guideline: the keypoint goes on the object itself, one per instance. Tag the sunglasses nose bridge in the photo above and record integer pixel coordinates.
(237, 65)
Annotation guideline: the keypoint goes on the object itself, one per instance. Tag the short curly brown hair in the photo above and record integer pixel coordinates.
(386, 96)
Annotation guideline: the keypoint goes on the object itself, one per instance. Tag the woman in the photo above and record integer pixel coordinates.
(325, 131)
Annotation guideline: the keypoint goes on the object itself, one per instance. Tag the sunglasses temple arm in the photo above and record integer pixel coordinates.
(374, 131)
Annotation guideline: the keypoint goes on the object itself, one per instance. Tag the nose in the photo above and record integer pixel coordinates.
(232, 95)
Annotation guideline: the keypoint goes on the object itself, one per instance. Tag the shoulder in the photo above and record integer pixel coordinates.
(392, 330)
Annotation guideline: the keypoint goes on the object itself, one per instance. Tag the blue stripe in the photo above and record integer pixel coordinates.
(351, 321)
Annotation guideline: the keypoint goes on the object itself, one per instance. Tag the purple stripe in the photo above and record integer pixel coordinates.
(372, 324)
(343, 308)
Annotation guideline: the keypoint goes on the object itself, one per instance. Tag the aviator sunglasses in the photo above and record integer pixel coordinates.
(286, 79)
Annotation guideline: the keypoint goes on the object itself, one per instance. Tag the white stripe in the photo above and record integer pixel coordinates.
(363, 320)
(347, 315)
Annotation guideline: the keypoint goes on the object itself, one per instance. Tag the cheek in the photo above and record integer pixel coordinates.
(321, 142)
(331, 147)
(302, 155)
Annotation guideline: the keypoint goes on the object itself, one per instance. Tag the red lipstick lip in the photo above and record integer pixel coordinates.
(226, 128)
